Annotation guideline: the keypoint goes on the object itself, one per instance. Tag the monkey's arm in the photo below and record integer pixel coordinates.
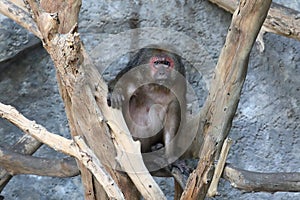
(121, 88)
(117, 87)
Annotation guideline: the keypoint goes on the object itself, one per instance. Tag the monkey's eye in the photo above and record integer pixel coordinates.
(166, 63)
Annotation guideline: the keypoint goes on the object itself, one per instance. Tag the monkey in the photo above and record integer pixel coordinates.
(151, 92)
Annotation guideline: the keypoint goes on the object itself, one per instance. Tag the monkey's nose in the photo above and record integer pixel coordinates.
(162, 73)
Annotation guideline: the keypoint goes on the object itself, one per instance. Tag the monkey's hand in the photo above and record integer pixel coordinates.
(115, 98)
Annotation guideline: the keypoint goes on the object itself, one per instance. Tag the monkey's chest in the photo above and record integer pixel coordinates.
(149, 109)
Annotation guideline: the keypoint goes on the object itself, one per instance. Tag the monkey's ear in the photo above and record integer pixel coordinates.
(181, 68)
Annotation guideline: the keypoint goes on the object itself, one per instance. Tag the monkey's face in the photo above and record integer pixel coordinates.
(161, 67)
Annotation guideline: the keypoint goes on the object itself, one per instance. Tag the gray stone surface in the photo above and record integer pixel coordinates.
(265, 129)
(14, 39)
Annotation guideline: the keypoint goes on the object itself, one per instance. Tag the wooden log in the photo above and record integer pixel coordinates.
(262, 182)
(26, 145)
(78, 149)
(17, 163)
(221, 104)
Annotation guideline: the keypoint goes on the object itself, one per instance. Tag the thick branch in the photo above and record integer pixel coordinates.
(17, 163)
(66, 52)
(222, 102)
(25, 145)
(83, 112)
(280, 20)
(67, 12)
(59, 143)
(128, 151)
(20, 16)
(264, 182)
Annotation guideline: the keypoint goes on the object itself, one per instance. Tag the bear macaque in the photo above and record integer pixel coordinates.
(151, 92)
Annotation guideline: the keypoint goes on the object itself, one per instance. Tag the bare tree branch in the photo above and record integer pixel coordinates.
(59, 143)
(26, 145)
(19, 3)
(264, 182)
(222, 101)
(20, 16)
(17, 163)
(280, 20)
(128, 151)
(67, 53)
(67, 12)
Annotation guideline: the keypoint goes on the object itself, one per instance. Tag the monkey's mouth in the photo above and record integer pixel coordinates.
(161, 82)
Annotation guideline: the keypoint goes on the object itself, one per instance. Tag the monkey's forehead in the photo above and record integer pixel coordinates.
(164, 47)
(160, 51)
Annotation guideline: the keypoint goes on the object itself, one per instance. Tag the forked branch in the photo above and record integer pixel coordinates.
(77, 149)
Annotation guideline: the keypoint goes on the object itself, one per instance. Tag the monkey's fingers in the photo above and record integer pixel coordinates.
(182, 166)
(116, 100)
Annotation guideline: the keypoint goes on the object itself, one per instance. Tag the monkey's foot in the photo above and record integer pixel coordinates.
(182, 166)
(180, 171)
(157, 146)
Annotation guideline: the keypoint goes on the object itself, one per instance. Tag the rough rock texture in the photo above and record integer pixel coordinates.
(266, 127)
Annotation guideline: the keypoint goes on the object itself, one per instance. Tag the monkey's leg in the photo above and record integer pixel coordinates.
(172, 122)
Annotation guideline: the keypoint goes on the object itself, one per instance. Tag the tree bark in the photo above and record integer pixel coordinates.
(79, 82)
(66, 52)
(280, 20)
(263, 182)
(26, 145)
(220, 106)
(76, 148)
(20, 16)
(17, 163)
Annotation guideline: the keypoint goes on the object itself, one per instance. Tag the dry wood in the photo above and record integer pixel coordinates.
(63, 9)
(20, 16)
(128, 150)
(224, 94)
(280, 20)
(213, 188)
(82, 111)
(26, 145)
(19, 3)
(264, 182)
(59, 143)
(65, 50)
(17, 163)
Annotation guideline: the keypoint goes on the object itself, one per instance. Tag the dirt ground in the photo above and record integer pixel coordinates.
(266, 127)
